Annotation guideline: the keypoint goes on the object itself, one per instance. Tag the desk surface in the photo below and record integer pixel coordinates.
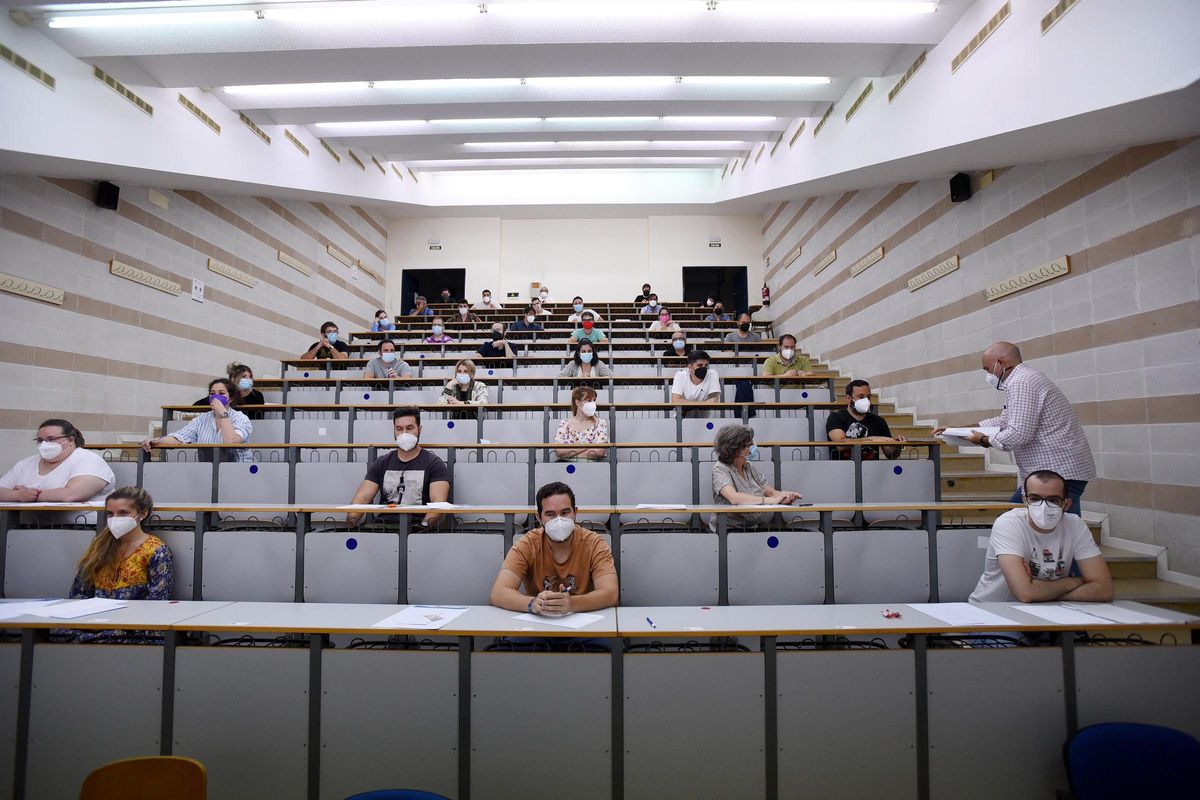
(138, 615)
(521, 509)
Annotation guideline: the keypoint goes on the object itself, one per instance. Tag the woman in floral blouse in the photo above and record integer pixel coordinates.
(583, 427)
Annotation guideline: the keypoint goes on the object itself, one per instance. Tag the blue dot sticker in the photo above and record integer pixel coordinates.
(422, 355)
(491, 372)
(450, 425)
(254, 469)
(804, 394)
(351, 543)
(708, 425)
(306, 374)
(366, 395)
(570, 469)
(772, 542)
(897, 469)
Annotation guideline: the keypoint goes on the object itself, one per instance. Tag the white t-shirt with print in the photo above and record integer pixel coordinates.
(80, 462)
(1049, 555)
(683, 386)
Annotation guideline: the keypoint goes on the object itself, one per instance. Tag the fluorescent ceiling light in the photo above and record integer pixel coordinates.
(831, 8)
(576, 143)
(487, 121)
(432, 164)
(584, 144)
(756, 80)
(297, 88)
(613, 120)
(596, 81)
(719, 120)
(164, 17)
(448, 83)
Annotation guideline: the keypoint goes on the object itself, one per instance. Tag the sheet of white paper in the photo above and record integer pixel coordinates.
(78, 608)
(1057, 614)
(89, 504)
(360, 507)
(958, 436)
(21, 608)
(441, 505)
(428, 618)
(961, 614)
(668, 506)
(572, 621)
(1117, 613)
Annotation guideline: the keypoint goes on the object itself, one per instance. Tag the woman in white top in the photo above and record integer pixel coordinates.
(697, 383)
(61, 472)
(583, 427)
(463, 389)
(664, 322)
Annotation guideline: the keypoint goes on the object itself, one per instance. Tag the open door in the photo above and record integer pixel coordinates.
(727, 284)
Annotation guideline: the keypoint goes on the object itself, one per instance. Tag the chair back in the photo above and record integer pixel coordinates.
(147, 778)
(1128, 759)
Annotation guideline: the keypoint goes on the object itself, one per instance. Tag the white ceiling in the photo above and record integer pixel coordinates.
(397, 40)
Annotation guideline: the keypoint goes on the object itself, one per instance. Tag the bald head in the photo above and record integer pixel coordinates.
(1001, 357)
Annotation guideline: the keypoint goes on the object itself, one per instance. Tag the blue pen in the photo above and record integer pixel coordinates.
(652, 625)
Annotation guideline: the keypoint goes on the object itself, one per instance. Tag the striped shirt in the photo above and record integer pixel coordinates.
(1039, 427)
(203, 430)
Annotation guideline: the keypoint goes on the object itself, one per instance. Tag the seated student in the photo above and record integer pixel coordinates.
(421, 309)
(527, 323)
(1031, 549)
(438, 333)
(697, 383)
(737, 482)
(61, 472)
(382, 323)
(857, 422)
(564, 567)
(587, 330)
(538, 309)
(708, 303)
(651, 306)
(486, 302)
(786, 363)
(664, 322)
(644, 297)
(544, 295)
(583, 427)
(463, 389)
(465, 314)
(585, 363)
(447, 298)
(329, 346)
(246, 395)
(678, 346)
(743, 334)
(123, 562)
(406, 476)
(718, 313)
(387, 364)
(223, 424)
(578, 308)
(497, 347)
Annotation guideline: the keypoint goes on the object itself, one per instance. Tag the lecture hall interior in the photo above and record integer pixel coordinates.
(386, 382)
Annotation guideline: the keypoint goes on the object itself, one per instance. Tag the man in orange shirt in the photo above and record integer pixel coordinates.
(563, 567)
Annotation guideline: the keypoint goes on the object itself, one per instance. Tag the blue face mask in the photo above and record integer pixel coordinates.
(754, 451)
(246, 384)
(463, 378)
(578, 307)
(678, 344)
(388, 358)
(437, 330)
(332, 337)
(585, 358)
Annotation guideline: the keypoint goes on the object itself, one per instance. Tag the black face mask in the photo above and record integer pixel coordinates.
(497, 336)
(744, 327)
(701, 372)
(718, 311)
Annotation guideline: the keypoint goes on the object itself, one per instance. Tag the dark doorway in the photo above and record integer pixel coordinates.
(430, 282)
(727, 284)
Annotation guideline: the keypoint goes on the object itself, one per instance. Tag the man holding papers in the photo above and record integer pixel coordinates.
(563, 567)
(1031, 549)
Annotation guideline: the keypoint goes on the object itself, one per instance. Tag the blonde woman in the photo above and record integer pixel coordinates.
(123, 562)
(463, 389)
(583, 427)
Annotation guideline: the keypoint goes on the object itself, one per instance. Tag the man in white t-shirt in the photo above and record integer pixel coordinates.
(61, 472)
(698, 383)
(1030, 551)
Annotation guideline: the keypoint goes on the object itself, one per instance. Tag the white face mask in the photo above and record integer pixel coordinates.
(862, 405)
(1045, 515)
(787, 353)
(406, 441)
(560, 528)
(119, 526)
(993, 380)
(49, 450)
(588, 409)
(529, 319)
(545, 295)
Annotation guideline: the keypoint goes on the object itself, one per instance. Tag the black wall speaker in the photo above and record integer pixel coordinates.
(107, 195)
(960, 188)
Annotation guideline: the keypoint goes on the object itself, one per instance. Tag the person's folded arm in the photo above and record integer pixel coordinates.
(1097, 581)
(740, 498)
(78, 489)
(1025, 588)
(603, 595)
(365, 494)
(506, 592)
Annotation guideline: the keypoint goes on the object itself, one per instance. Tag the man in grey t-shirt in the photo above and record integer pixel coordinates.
(743, 335)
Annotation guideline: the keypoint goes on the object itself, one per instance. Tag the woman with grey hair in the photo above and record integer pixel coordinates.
(736, 482)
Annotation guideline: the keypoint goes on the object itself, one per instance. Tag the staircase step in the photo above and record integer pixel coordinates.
(1158, 592)
(1125, 564)
(953, 463)
(977, 481)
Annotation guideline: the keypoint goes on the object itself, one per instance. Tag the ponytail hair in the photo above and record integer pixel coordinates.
(101, 554)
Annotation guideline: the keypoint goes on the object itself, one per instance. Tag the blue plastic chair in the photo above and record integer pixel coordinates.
(397, 794)
(1120, 760)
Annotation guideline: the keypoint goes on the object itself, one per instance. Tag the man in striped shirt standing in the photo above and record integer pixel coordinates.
(1038, 425)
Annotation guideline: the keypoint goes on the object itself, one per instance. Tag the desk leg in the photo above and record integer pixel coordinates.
(921, 672)
(771, 715)
(827, 540)
(6, 519)
(316, 644)
(24, 696)
(617, 699)
(466, 646)
(1066, 641)
(166, 732)
(722, 560)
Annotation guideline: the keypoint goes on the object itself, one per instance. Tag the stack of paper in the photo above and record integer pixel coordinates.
(424, 618)
(959, 436)
(73, 609)
(23, 607)
(962, 615)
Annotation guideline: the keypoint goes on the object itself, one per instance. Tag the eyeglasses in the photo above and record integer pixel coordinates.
(50, 439)
(1052, 500)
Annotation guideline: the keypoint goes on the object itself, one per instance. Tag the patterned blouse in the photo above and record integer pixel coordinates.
(443, 339)
(597, 434)
(147, 574)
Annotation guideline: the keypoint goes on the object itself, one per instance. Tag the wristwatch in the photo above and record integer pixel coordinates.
(529, 608)
(984, 440)
(223, 415)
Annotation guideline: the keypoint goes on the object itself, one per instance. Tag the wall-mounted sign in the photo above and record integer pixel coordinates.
(1030, 277)
(825, 261)
(933, 273)
(867, 261)
(132, 273)
(27, 288)
(233, 273)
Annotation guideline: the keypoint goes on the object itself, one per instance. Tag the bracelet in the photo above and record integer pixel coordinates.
(529, 608)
